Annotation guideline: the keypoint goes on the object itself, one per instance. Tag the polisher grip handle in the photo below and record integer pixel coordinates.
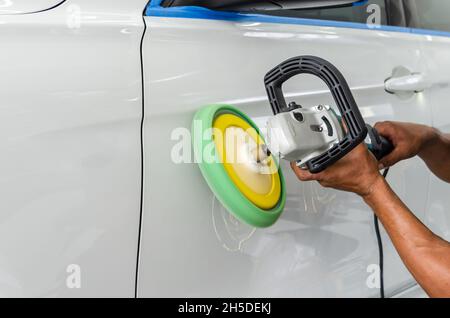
(341, 93)
(386, 148)
(379, 145)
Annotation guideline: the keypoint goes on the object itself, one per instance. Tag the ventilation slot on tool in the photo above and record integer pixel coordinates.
(342, 95)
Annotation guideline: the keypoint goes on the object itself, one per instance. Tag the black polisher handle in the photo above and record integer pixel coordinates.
(379, 146)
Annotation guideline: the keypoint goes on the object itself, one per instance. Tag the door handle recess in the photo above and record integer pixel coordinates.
(412, 83)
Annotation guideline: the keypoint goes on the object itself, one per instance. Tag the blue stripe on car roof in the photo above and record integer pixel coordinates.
(155, 9)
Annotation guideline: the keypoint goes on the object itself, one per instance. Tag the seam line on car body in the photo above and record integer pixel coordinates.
(136, 283)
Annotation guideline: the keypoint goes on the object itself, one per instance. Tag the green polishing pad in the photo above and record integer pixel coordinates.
(252, 191)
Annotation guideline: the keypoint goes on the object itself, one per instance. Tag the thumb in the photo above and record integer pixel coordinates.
(385, 129)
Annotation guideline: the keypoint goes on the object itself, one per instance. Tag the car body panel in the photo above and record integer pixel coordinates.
(71, 110)
(325, 242)
(71, 107)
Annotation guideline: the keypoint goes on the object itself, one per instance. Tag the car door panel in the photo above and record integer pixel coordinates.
(430, 22)
(325, 241)
(435, 50)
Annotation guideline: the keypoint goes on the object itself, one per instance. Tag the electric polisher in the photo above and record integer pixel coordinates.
(245, 174)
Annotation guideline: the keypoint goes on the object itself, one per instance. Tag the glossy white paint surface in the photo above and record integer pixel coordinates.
(70, 111)
(436, 51)
(325, 241)
(414, 292)
(70, 105)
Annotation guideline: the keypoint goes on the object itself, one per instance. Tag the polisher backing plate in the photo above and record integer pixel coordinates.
(251, 190)
(237, 144)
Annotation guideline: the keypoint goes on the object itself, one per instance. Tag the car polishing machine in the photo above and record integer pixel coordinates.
(315, 138)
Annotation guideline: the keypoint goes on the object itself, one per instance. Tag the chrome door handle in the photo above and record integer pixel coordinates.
(412, 83)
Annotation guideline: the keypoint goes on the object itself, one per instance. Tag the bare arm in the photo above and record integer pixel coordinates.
(436, 154)
(417, 140)
(425, 255)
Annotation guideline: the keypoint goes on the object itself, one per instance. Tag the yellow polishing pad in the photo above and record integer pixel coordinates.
(239, 149)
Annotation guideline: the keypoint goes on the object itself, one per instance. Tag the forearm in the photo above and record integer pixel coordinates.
(436, 154)
(426, 255)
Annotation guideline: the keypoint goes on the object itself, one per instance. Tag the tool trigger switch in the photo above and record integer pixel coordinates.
(299, 117)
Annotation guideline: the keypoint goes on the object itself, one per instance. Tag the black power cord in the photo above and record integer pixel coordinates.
(380, 245)
(380, 251)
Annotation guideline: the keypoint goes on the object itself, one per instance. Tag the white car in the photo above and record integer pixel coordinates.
(93, 93)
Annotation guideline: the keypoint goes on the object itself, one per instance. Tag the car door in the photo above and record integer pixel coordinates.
(70, 164)
(324, 244)
(431, 24)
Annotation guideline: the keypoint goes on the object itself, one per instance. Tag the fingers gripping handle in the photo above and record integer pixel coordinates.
(379, 146)
(342, 95)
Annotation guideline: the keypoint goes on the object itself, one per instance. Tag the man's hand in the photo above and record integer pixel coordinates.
(357, 172)
(426, 255)
(409, 140)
